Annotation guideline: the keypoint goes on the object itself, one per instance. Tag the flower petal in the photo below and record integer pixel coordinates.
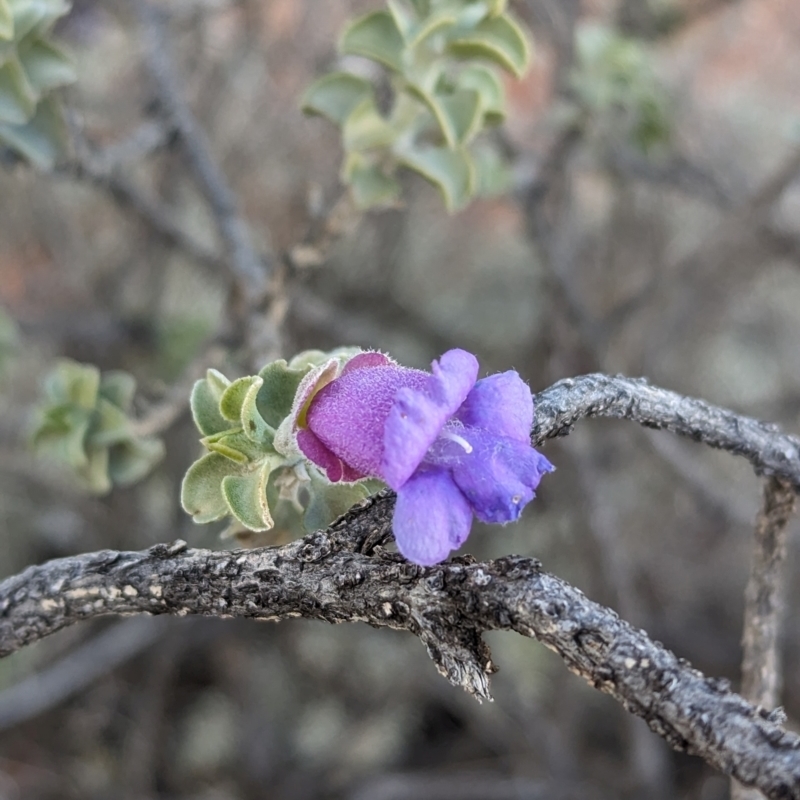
(419, 414)
(316, 452)
(501, 404)
(349, 415)
(431, 518)
(499, 476)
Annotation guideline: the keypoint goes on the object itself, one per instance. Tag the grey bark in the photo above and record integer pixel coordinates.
(764, 600)
(768, 450)
(344, 575)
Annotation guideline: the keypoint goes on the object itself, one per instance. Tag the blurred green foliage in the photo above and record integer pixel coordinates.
(442, 59)
(31, 67)
(84, 423)
(8, 340)
(244, 475)
(615, 84)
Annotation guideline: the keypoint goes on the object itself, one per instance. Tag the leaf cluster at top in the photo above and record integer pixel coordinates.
(442, 58)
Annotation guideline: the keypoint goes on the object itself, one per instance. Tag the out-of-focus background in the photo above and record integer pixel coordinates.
(665, 245)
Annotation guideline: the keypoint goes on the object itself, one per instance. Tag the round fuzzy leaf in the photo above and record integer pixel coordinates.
(17, 96)
(246, 496)
(313, 358)
(459, 114)
(217, 383)
(497, 7)
(306, 360)
(230, 404)
(45, 65)
(6, 21)
(253, 424)
(94, 474)
(233, 444)
(485, 82)
(373, 189)
(61, 434)
(36, 15)
(451, 171)
(110, 425)
(204, 402)
(403, 17)
(73, 383)
(430, 26)
(374, 36)
(43, 139)
(498, 39)
(280, 381)
(201, 490)
(118, 388)
(130, 461)
(494, 176)
(366, 128)
(335, 96)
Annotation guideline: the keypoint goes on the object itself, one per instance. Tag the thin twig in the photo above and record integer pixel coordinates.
(248, 266)
(769, 451)
(764, 597)
(85, 166)
(761, 667)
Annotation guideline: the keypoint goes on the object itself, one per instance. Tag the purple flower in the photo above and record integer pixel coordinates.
(449, 446)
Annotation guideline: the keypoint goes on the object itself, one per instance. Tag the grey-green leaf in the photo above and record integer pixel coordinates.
(36, 15)
(275, 397)
(492, 96)
(498, 39)
(110, 425)
(17, 96)
(201, 490)
(131, 460)
(94, 473)
(118, 387)
(75, 383)
(230, 404)
(6, 21)
(493, 174)
(366, 128)
(335, 96)
(372, 188)
(43, 139)
(205, 405)
(375, 36)
(459, 114)
(246, 496)
(234, 445)
(451, 171)
(45, 65)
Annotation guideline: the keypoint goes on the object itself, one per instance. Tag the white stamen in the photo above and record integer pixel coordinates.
(454, 437)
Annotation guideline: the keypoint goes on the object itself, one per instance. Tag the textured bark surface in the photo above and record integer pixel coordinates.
(763, 610)
(344, 575)
(559, 407)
